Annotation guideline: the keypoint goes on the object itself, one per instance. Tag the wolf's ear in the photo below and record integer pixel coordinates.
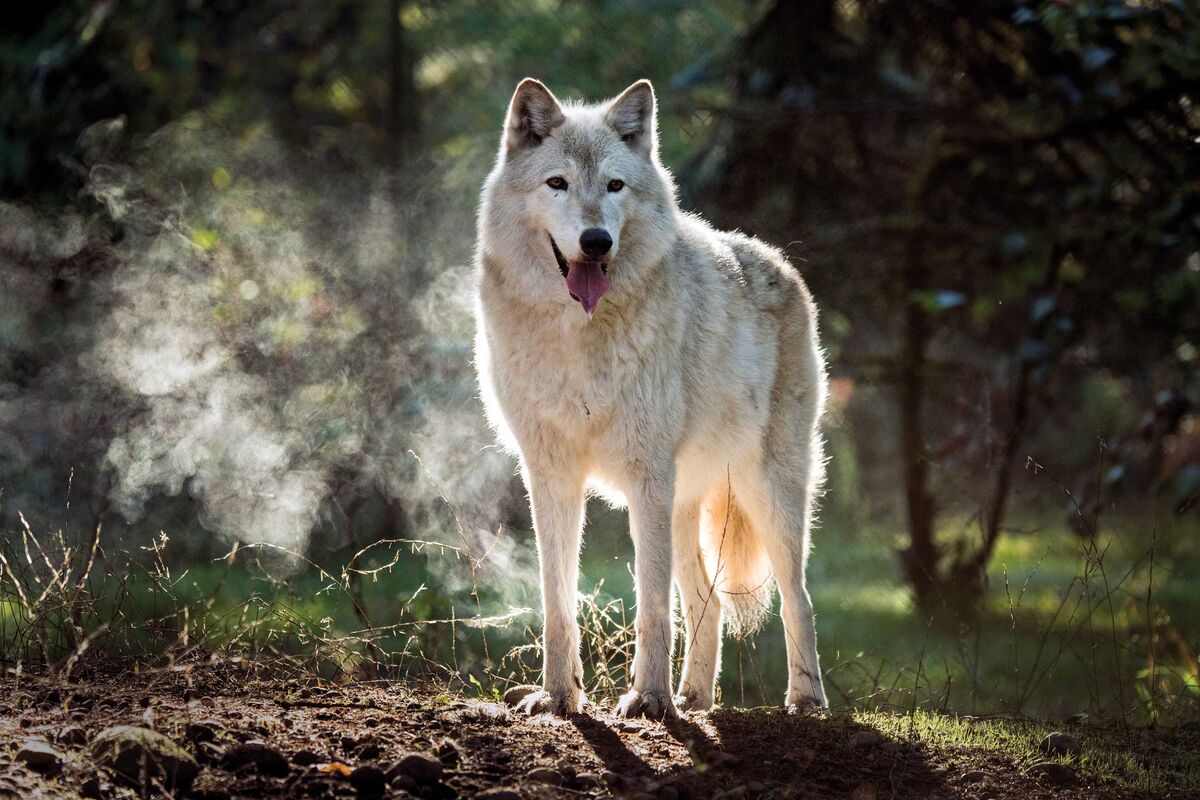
(533, 112)
(632, 115)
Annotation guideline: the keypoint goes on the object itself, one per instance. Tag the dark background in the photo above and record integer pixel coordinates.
(234, 294)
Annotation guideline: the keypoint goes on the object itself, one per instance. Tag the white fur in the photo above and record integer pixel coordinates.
(692, 394)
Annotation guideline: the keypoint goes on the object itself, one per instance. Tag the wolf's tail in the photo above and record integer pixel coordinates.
(736, 562)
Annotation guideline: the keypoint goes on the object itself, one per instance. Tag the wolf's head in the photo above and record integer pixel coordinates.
(578, 204)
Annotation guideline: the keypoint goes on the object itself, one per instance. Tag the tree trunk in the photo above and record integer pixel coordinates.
(402, 118)
(921, 558)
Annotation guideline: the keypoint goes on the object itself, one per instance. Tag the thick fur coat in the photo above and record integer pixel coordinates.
(627, 348)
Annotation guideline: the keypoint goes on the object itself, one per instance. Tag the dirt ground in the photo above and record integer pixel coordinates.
(254, 737)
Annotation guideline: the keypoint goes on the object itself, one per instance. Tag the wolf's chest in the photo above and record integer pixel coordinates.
(573, 387)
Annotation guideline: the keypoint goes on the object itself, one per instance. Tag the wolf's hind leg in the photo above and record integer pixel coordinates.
(779, 504)
(556, 497)
(701, 610)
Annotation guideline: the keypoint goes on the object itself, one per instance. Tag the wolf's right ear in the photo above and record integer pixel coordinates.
(533, 112)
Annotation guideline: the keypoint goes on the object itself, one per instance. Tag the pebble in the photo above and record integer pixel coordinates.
(73, 736)
(141, 757)
(420, 768)
(1053, 773)
(517, 694)
(305, 758)
(546, 775)
(588, 780)
(204, 730)
(449, 753)
(265, 759)
(368, 780)
(39, 756)
(1060, 744)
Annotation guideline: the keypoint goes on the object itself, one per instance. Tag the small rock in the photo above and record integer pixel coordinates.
(90, 788)
(548, 749)
(588, 780)
(975, 776)
(73, 736)
(369, 781)
(611, 778)
(421, 768)
(265, 759)
(864, 739)
(204, 730)
(305, 758)
(449, 753)
(137, 755)
(209, 752)
(1053, 773)
(402, 783)
(498, 794)
(39, 756)
(518, 693)
(628, 727)
(546, 775)
(1060, 744)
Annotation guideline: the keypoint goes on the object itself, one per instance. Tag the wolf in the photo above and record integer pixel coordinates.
(628, 349)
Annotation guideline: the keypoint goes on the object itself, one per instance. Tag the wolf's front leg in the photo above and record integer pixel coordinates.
(650, 525)
(556, 496)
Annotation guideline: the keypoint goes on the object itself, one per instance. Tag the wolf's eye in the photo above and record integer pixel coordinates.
(557, 183)
(616, 186)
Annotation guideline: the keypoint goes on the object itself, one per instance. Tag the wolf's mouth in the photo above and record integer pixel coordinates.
(563, 266)
(587, 281)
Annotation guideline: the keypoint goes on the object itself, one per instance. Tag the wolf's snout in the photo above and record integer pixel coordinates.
(595, 242)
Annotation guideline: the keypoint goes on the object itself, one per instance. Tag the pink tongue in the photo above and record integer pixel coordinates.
(587, 283)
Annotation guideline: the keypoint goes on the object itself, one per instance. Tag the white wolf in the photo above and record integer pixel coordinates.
(626, 347)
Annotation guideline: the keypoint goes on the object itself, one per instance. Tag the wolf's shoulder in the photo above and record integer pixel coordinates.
(765, 273)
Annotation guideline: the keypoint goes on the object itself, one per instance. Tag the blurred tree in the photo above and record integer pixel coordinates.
(1001, 194)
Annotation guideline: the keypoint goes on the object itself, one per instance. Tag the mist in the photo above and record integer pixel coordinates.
(236, 332)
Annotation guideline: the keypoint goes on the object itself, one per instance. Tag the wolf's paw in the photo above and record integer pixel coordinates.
(692, 700)
(805, 705)
(653, 705)
(536, 700)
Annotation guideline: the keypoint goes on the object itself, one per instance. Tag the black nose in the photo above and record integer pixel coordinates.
(595, 242)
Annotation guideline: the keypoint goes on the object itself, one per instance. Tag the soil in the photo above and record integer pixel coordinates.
(278, 737)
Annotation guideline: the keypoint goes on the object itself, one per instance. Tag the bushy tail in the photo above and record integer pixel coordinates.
(736, 561)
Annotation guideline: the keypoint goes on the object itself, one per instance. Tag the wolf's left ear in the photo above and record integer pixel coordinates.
(632, 115)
